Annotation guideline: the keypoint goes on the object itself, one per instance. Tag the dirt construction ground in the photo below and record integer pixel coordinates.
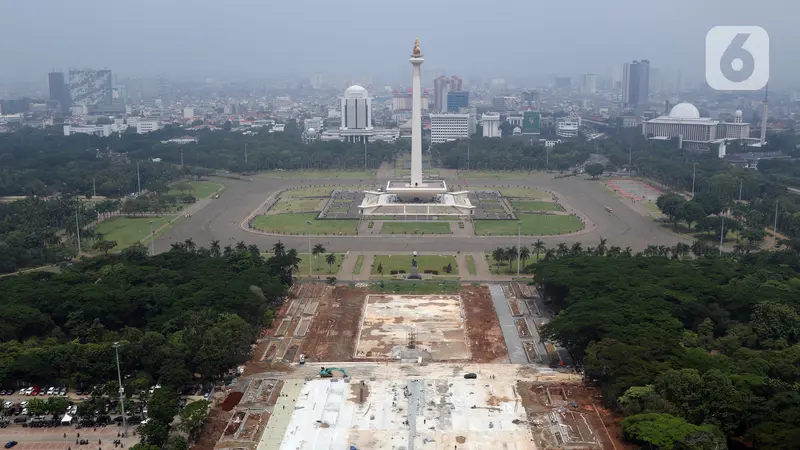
(333, 332)
(486, 343)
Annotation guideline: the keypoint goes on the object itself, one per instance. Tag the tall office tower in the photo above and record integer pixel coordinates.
(442, 85)
(90, 87)
(456, 100)
(635, 83)
(356, 115)
(59, 91)
(589, 83)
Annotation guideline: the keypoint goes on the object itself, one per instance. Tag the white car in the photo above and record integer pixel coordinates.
(29, 391)
(50, 390)
(63, 392)
(8, 404)
(24, 404)
(22, 391)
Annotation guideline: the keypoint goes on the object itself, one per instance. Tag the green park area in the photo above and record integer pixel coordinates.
(496, 174)
(298, 205)
(199, 189)
(428, 227)
(319, 264)
(359, 264)
(471, 265)
(507, 264)
(318, 191)
(296, 224)
(535, 206)
(126, 231)
(321, 174)
(424, 262)
(531, 225)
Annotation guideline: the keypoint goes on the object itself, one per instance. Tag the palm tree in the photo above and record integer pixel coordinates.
(549, 255)
(511, 256)
(651, 250)
(562, 250)
(538, 247)
(316, 251)
(499, 255)
(576, 249)
(699, 248)
(215, 250)
(278, 249)
(628, 252)
(331, 260)
(601, 248)
(241, 246)
(190, 245)
(614, 252)
(524, 254)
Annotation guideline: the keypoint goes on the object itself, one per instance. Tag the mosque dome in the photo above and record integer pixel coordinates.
(738, 113)
(355, 91)
(311, 131)
(684, 111)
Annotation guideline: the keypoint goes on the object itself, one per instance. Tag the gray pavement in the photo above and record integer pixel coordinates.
(516, 352)
(221, 220)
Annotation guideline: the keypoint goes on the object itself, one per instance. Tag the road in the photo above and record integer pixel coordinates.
(221, 220)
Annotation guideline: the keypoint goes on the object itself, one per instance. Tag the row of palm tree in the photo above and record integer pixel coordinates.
(678, 251)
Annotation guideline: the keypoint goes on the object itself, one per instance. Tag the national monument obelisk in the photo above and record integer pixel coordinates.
(416, 116)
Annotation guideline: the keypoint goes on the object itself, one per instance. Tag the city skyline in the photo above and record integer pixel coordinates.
(231, 43)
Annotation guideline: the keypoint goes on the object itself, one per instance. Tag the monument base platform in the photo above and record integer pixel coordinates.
(447, 204)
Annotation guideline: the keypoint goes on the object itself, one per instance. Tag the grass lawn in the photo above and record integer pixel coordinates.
(417, 287)
(471, 265)
(129, 230)
(318, 265)
(200, 189)
(493, 174)
(532, 225)
(505, 267)
(535, 206)
(323, 191)
(524, 193)
(424, 262)
(429, 227)
(321, 174)
(296, 224)
(359, 263)
(298, 204)
(651, 206)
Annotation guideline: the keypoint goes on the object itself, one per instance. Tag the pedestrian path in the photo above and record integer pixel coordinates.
(516, 352)
(366, 267)
(348, 265)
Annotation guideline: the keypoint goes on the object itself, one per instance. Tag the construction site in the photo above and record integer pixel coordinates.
(355, 368)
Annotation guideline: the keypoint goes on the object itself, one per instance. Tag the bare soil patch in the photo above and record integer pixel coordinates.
(212, 429)
(485, 338)
(522, 328)
(332, 336)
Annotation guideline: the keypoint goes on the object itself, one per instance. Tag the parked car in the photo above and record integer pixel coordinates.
(50, 390)
(23, 391)
(29, 391)
(23, 403)
(10, 444)
(3, 392)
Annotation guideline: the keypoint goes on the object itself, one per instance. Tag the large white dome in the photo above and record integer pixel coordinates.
(355, 91)
(684, 111)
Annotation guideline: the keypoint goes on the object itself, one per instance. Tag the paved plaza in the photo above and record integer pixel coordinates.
(224, 220)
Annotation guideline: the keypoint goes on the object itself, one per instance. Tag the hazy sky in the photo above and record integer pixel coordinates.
(516, 39)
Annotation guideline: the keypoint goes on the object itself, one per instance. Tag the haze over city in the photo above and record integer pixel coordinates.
(242, 39)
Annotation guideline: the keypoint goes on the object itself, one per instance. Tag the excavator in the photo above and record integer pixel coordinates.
(328, 372)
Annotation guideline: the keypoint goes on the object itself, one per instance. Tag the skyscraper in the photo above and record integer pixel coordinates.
(59, 91)
(356, 115)
(589, 83)
(636, 83)
(442, 85)
(90, 87)
(457, 100)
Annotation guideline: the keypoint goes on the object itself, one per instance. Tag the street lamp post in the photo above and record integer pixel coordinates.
(519, 226)
(308, 226)
(121, 393)
(152, 241)
(694, 168)
(721, 233)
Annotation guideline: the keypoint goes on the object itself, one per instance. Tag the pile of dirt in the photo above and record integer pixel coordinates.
(231, 401)
(212, 429)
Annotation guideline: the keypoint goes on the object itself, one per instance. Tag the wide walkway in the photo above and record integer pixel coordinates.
(516, 352)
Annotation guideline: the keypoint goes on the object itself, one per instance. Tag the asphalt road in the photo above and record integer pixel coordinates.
(221, 220)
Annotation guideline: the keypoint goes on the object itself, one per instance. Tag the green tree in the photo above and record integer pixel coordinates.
(330, 260)
(691, 212)
(538, 247)
(380, 268)
(666, 432)
(193, 415)
(499, 255)
(37, 407)
(776, 324)
(670, 205)
(177, 443)
(318, 249)
(104, 246)
(595, 170)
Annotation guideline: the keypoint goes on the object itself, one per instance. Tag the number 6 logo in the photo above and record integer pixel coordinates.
(737, 58)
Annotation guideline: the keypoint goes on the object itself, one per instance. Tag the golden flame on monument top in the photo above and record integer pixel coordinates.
(417, 51)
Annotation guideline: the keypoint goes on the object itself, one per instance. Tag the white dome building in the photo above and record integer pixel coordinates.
(684, 122)
(356, 115)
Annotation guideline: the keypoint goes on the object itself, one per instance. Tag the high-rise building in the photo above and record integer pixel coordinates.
(449, 127)
(356, 115)
(491, 125)
(441, 87)
(589, 83)
(457, 100)
(90, 87)
(59, 91)
(636, 83)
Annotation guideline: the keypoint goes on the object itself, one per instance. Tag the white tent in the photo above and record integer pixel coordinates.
(66, 420)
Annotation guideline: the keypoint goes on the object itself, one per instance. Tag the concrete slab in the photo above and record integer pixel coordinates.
(434, 323)
(516, 352)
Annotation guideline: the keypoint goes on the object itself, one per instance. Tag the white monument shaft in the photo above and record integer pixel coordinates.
(416, 121)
